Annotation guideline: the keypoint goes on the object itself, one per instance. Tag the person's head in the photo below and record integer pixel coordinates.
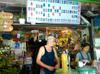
(51, 40)
(85, 47)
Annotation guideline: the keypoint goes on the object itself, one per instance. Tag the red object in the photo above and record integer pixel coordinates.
(15, 39)
(39, 12)
(27, 34)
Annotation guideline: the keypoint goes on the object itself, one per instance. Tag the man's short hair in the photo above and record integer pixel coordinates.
(50, 37)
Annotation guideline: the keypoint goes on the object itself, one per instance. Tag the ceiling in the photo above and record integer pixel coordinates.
(14, 2)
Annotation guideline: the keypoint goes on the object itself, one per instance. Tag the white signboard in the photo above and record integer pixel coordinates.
(97, 42)
(53, 11)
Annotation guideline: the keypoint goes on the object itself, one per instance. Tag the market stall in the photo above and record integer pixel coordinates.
(17, 40)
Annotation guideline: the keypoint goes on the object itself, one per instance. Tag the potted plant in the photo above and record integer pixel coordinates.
(22, 17)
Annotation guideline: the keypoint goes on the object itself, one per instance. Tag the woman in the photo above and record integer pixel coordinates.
(47, 57)
(84, 54)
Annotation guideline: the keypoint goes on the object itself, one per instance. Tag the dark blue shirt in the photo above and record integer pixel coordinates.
(49, 59)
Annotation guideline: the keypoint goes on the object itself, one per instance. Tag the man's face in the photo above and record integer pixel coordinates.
(52, 42)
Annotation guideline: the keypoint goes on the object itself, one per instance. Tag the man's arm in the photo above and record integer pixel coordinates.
(57, 59)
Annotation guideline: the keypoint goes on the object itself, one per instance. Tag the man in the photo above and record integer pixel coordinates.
(47, 57)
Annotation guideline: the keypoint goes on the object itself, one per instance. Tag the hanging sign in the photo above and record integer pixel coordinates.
(53, 11)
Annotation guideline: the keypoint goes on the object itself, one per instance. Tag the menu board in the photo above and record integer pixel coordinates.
(53, 11)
